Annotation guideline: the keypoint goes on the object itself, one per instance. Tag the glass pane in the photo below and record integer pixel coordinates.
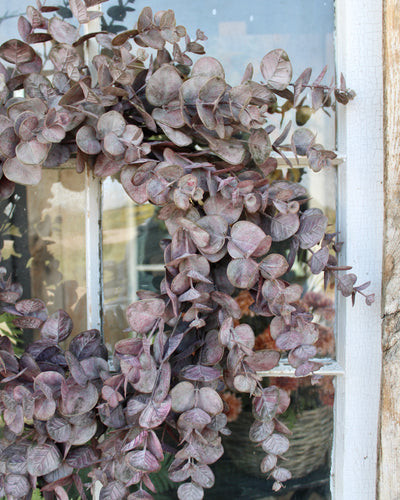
(309, 417)
(319, 301)
(322, 188)
(241, 32)
(132, 258)
(44, 232)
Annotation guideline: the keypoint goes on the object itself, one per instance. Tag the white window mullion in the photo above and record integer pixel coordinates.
(360, 222)
(93, 216)
(329, 367)
(94, 261)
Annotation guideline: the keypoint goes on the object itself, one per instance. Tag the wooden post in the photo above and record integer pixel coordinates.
(389, 450)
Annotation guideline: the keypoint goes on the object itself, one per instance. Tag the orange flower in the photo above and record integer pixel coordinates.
(288, 384)
(326, 391)
(326, 341)
(233, 405)
(244, 301)
(264, 341)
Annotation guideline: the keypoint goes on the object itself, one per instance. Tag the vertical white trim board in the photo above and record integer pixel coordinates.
(360, 221)
(94, 246)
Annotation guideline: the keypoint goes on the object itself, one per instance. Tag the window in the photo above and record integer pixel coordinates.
(101, 282)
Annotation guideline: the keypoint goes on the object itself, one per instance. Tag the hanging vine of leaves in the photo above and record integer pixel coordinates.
(180, 137)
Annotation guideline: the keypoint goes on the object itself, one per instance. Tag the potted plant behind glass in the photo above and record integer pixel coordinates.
(180, 137)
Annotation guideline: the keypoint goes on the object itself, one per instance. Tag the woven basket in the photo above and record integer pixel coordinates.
(309, 450)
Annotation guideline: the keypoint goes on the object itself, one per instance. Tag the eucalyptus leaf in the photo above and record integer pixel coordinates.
(163, 86)
(276, 69)
(16, 52)
(43, 459)
(190, 491)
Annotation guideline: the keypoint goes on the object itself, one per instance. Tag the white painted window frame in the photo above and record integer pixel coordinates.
(360, 221)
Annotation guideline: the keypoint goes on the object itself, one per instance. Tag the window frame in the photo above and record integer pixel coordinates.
(360, 206)
(357, 367)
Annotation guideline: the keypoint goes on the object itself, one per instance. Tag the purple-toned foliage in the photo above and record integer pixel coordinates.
(180, 137)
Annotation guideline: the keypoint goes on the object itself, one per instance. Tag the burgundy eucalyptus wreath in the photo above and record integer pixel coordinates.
(180, 137)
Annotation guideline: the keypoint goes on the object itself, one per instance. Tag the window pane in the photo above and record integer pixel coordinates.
(132, 258)
(241, 32)
(44, 232)
(309, 417)
(56, 222)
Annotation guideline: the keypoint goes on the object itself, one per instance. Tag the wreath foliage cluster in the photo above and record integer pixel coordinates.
(180, 137)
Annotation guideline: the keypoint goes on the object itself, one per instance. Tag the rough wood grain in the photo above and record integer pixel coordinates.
(389, 451)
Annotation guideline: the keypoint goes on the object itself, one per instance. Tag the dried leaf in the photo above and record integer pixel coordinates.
(263, 360)
(77, 400)
(200, 373)
(16, 486)
(243, 273)
(115, 490)
(277, 444)
(283, 226)
(346, 283)
(289, 340)
(210, 401)
(230, 209)
(32, 153)
(266, 405)
(312, 228)
(21, 173)
(245, 383)
(87, 141)
(17, 52)
(193, 419)
(268, 463)
(190, 491)
(62, 31)
(57, 327)
(302, 139)
(43, 459)
(273, 266)
(163, 86)
(259, 431)
(59, 429)
(182, 397)
(144, 314)
(231, 151)
(82, 457)
(281, 474)
(319, 260)
(155, 413)
(247, 239)
(276, 69)
(259, 146)
(209, 67)
(87, 344)
(143, 460)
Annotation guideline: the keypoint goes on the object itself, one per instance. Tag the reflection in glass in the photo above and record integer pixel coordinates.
(56, 239)
(42, 229)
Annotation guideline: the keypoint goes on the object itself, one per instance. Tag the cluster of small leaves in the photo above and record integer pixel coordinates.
(48, 403)
(178, 136)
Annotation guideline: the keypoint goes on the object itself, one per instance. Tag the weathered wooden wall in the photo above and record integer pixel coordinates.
(389, 448)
